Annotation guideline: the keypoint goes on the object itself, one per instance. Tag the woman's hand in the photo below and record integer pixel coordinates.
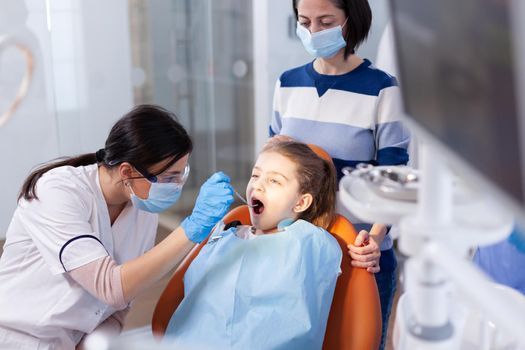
(365, 252)
(213, 202)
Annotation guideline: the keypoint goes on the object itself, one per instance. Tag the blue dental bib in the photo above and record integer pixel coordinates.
(273, 291)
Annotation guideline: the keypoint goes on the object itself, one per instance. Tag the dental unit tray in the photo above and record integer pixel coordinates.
(393, 182)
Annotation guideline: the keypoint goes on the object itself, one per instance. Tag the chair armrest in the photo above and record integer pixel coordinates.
(172, 295)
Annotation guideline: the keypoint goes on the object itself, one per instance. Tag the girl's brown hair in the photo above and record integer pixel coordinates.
(316, 176)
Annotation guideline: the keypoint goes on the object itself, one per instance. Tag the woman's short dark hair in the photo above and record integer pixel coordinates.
(143, 137)
(358, 25)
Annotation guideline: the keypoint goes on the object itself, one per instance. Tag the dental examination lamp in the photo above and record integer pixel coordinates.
(462, 76)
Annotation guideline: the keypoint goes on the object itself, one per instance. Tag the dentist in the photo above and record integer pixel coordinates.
(79, 247)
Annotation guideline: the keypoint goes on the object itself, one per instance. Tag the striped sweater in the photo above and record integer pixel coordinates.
(355, 117)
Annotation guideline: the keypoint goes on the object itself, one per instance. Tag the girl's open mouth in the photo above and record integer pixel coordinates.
(257, 206)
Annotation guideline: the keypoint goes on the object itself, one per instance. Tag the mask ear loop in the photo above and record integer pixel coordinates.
(344, 24)
(127, 183)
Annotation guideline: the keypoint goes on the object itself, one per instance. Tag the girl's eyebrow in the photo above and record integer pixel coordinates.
(271, 172)
(277, 173)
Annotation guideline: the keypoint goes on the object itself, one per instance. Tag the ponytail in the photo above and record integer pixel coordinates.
(326, 197)
(28, 188)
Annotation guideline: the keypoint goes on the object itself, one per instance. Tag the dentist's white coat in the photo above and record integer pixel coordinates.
(41, 306)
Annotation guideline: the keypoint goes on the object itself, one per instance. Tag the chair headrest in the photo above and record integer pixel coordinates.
(320, 152)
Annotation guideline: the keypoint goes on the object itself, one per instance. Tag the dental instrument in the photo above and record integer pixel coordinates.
(242, 198)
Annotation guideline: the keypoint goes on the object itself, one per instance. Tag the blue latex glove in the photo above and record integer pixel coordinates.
(213, 202)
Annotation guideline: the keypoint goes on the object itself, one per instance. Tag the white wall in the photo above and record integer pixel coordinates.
(380, 16)
(81, 84)
(276, 49)
(30, 137)
(91, 62)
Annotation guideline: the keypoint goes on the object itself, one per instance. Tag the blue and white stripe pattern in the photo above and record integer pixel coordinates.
(355, 117)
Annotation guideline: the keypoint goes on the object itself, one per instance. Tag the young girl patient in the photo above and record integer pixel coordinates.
(269, 285)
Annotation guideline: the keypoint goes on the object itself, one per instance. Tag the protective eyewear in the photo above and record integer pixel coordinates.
(179, 178)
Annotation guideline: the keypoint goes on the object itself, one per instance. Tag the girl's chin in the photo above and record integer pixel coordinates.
(265, 228)
(259, 225)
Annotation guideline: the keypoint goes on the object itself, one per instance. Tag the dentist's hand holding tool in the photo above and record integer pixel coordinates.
(213, 202)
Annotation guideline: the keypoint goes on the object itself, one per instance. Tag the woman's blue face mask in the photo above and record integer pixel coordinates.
(161, 195)
(323, 44)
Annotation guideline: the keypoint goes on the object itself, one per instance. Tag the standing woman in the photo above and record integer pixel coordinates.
(79, 246)
(344, 104)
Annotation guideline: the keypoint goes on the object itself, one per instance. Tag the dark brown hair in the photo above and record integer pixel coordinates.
(358, 24)
(316, 176)
(143, 137)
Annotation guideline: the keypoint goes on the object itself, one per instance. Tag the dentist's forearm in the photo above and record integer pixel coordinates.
(139, 274)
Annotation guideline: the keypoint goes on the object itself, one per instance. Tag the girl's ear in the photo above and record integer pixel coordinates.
(303, 203)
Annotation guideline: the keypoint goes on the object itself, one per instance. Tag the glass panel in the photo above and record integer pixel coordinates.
(28, 133)
(194, 58)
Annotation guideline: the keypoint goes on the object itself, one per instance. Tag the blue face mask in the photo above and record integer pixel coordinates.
(161, 196)
(323, 44)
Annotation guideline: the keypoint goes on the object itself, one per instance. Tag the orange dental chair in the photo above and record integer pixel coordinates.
(354, 322)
